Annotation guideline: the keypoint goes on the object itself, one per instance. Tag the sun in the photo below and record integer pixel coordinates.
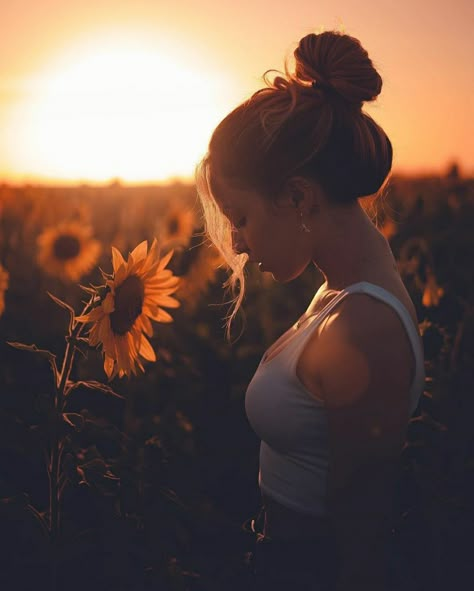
(121, 109)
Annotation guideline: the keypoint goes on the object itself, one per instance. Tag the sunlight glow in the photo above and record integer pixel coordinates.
(120, 111)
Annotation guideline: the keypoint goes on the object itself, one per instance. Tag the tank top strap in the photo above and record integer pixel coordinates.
(387, 297)
(303, 333)
(377, 292)
(296, 345)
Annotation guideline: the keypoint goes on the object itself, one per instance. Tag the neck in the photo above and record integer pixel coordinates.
(350, 249)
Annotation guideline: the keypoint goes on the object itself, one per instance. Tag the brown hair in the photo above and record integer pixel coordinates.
(308, 122)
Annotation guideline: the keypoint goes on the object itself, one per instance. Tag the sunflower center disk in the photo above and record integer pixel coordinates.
(173, 227)
(128, 305)
(66, 247)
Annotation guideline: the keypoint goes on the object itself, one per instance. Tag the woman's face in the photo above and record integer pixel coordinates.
(270, 233)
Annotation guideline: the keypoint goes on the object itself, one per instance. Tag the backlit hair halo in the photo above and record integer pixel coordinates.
(335, 142)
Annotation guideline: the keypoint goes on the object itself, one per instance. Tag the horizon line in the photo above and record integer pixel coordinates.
(43, 181)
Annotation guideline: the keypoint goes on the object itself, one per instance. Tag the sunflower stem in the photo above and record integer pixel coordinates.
(58, 444)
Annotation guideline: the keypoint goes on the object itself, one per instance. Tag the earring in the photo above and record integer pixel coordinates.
(304, 227)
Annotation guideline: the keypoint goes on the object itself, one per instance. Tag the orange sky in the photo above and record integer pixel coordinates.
(218, 49)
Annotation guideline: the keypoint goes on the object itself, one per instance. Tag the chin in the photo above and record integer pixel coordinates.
(286, 278)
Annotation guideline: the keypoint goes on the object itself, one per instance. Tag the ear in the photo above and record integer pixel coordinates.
(301, 193)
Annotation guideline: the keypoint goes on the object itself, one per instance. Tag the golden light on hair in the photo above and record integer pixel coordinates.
(288, 128)
(219, 229)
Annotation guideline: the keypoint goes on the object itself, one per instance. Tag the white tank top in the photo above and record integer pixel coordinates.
(292, 423)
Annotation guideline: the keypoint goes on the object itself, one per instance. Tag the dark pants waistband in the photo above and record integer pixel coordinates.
(291, 564)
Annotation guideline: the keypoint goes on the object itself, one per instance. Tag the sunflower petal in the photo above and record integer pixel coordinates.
(146, 326)
(93, 316)
(165, 260)
(120, 275)
(146, 350)
(117, 259)
(151, 260)
(108, 341)
(158, 276)
(108, 305)
(123, 354)
(108, 366)
(94, 335)
(139, 252)
(158, 314)
(155, 293)
(172, 282)
(155, 248)
(103, 330)
(167, 302)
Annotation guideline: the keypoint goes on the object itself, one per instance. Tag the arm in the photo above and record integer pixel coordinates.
(360, 508)
(363, 372)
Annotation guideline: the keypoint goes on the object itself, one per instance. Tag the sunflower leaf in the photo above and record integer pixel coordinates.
(19, 506)
(171, 496)
(66, 307)
(427, 420)
(105, 275)
(89, 290)
(75, 420)
(95, 472)
(94, 385)
(51, 357)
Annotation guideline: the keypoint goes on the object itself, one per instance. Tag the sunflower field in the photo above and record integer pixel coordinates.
(127, 461)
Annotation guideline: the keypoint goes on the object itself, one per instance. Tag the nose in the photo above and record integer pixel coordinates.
(238, 243)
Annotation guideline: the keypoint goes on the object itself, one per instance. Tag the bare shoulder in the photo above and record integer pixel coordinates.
(360, 355)
(369, 322)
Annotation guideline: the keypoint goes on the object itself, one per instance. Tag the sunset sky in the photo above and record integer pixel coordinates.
(92, 90)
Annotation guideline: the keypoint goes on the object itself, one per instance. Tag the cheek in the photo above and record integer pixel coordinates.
(283, 226)
(288, 236)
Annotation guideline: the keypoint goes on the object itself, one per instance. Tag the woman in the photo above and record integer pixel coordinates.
(280, 186)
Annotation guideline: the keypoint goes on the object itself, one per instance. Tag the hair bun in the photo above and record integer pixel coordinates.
(337, 61)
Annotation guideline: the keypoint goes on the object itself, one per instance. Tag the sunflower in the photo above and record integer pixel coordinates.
(137, 291)
(432, 293)
(4, 277)
(201, 274)
(68, 250)
(176, 225)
